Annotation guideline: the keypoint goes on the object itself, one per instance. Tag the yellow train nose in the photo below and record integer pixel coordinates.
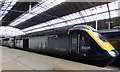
(108, 46)
(105, 45)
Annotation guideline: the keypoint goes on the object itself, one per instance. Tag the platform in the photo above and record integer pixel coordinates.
(14, 59)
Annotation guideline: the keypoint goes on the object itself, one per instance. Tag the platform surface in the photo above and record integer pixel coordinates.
(14, 59)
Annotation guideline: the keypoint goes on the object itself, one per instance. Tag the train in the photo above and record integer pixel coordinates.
(113, 36)
(81, 42)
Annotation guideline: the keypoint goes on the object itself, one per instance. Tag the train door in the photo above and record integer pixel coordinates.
(80, 43)
(84, 43)
(26, 43)
(74, 43)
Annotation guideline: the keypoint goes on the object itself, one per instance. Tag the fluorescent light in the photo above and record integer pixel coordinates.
(91, 18)
(113, 5)
(86, 19)
(114, 14)
(100, 17)
(106, 15)
(83, 13)
(88, 12)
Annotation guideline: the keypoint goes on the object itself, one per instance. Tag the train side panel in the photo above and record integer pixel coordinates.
(58, 44)
(37, 43)
(49, 44)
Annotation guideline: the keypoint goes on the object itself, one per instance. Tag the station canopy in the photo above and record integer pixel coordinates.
(32, 17)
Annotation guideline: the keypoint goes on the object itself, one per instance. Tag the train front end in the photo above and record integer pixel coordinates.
(106, 52)
(92, 46)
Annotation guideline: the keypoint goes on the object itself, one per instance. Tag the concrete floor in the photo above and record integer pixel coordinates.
(13, 59)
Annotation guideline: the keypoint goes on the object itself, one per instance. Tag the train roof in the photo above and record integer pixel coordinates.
(83, 27)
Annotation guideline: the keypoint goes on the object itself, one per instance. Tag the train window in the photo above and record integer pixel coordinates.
(85, 39)
(100, 36)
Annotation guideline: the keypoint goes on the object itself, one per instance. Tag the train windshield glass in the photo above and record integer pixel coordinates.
(100, 36)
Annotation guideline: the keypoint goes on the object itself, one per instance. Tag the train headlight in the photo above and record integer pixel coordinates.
(112, 53)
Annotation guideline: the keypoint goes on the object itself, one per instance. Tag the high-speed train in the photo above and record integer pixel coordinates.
(81, 42)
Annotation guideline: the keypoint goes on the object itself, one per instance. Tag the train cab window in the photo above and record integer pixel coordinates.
(100, 36)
